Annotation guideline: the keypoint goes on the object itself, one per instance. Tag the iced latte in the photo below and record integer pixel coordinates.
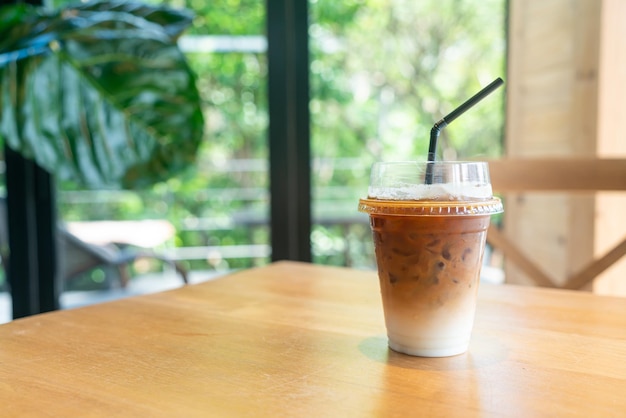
(429, 241)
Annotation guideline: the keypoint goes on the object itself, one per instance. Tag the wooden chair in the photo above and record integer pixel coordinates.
(560, 175)
(79, 256)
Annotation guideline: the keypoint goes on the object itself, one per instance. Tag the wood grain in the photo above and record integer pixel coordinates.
(498, 240)
(558, 174)
(294, 339)
(515, 177)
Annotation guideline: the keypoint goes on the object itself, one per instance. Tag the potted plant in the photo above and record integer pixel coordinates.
(99, 92)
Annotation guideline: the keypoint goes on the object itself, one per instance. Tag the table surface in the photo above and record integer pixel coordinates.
(293, 339)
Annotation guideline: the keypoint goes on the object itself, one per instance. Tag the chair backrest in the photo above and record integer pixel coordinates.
(77, 256)
(558, 174)
(562, 175)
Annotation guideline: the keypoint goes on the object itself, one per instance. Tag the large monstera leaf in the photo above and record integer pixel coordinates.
(99, 92)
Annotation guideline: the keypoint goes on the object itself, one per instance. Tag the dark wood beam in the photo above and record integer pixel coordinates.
(289, 131)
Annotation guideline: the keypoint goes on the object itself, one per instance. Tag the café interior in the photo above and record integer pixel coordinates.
(561, 177)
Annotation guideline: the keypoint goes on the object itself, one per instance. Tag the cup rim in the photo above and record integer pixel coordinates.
(486, 207)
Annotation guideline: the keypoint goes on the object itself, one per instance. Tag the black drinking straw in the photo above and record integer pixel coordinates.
(446, 120)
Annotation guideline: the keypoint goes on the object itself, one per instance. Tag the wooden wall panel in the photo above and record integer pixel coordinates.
(565, 93)
(611, 207)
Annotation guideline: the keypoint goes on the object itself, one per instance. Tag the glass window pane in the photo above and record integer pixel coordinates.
(212, 219)
(382, 72)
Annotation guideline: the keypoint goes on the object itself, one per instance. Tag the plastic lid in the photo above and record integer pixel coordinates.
(431, 207)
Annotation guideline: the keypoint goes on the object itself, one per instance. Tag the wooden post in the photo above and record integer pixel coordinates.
(564, 85)
(611, 141)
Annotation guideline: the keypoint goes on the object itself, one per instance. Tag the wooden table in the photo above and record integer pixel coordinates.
(299, 340)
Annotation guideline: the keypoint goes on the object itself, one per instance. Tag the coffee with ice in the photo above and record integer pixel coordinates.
(429, 241)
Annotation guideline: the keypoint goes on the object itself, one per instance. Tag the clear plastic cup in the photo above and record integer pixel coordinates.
(429, 241)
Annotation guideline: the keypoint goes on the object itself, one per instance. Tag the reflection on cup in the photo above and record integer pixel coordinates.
(429, 242)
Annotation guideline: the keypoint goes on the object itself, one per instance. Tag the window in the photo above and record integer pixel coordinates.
(381, 72)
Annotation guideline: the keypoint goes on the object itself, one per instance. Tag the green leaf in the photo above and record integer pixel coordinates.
(100, 93)
(172, 22)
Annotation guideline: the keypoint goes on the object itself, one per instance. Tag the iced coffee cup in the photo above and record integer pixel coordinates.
(429, 223)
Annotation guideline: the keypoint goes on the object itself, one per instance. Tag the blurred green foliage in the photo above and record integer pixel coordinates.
(382, 72)
(103, 95)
